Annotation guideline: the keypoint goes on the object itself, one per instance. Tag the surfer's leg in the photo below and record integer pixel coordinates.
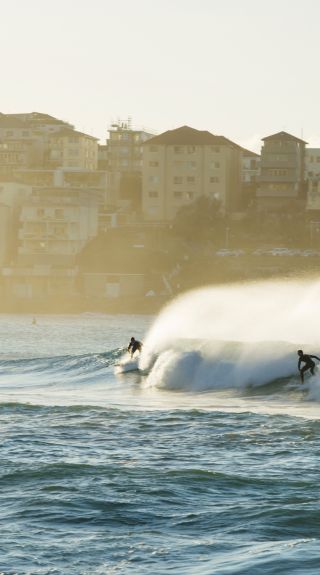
(305, 367)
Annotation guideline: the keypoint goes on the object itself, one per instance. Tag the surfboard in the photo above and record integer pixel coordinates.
(126, 366)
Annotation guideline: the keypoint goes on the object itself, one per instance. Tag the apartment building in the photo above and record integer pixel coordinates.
(250, 172)
(24, 140)
(94, 182)
(5, 225)
(54, 226)
(72, 149)
(123, 154)
(12, 195)
(124, 147)
(312, 177)
(183, 164)
(282, 181)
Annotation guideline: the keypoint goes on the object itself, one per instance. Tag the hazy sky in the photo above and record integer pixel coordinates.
(241, 68)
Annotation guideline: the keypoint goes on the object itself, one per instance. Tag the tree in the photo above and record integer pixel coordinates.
(198, 221)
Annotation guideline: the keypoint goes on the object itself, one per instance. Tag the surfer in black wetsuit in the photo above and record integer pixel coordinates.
(134, 346)
(308, 363)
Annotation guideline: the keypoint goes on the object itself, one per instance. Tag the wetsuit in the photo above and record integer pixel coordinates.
(309, 364)
(134, 345)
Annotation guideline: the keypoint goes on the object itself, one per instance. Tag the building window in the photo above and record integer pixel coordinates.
(215, 149)
(153, 148)
(177, 195)
(153, 164)
(9, 133)
(191, 149)
(153, 194)
(191, 165)
(214, 179)
(153, 179)
(25, 133)
(177, 180)
(178, 149)
(190, 195)
(191, 179)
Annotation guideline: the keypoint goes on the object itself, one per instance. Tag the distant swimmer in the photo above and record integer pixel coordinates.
(134, 346)
(307, 360)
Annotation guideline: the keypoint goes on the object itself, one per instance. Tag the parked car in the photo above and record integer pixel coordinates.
(227, 252)
(260, 252)
(281, 252)
(307, 253)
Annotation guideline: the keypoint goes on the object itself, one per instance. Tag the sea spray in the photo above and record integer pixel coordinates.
(232, 336)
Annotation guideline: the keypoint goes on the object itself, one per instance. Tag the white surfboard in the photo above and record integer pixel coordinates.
(126, 366)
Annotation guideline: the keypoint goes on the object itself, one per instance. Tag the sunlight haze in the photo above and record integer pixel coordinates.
(243, 69)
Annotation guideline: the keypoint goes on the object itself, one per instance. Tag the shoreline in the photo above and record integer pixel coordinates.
(138, 306)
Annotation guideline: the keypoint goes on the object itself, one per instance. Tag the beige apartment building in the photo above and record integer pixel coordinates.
(72, 149)
(182, 165)
(24, 140)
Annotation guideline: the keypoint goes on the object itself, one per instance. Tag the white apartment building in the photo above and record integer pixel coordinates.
(12, 195)
(54, 227)
(312, 163)
(181, 165)
(250, 167)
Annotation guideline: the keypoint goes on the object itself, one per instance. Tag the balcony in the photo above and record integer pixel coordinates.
(282, 163)
(277, 179)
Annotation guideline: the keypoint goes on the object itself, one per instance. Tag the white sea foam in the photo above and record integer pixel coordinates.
(127, 363)
(233, 336)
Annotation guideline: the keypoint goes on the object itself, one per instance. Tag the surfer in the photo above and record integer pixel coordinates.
(134, 346)
(308, 363)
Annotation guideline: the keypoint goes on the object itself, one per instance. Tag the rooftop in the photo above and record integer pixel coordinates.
(189, 136)
(29, 119)
(284, 136)
(68, 132)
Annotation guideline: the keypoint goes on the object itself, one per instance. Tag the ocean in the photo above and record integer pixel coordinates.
(204, 461)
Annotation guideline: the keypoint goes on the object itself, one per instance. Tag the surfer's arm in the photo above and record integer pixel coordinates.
(315, 357)
(299, 364)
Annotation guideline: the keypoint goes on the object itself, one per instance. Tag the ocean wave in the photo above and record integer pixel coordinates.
(57, 370)
(221, 365)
